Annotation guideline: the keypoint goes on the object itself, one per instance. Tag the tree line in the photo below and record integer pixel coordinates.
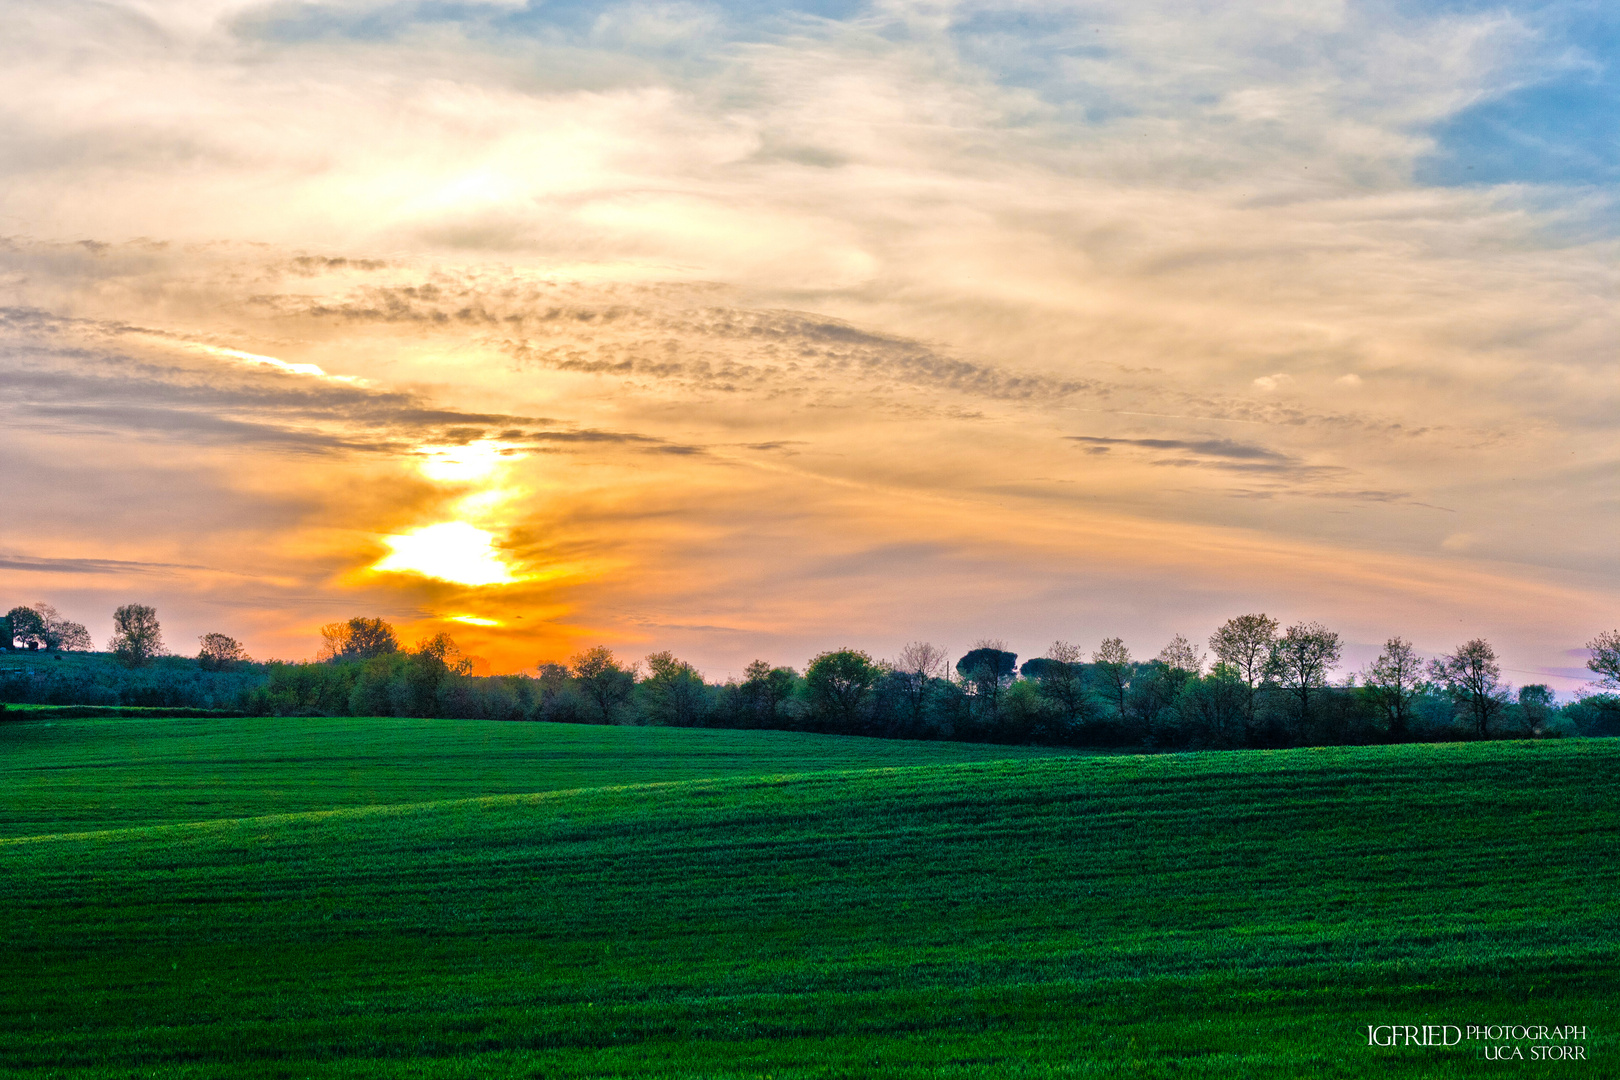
(1260, 685)
(137, 637)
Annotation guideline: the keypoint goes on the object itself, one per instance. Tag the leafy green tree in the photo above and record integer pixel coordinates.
(840, 684)
(1301, 661)
(1211, 710)
(558, 700)
(1026, 715)
(219, 652)
(765, 689)
(1473, 678)
(602, 680)
(674, 692)
(1244, 645)
(381, 687)
(1392, 682)
(1150, 702)
(1060, 674)
(1536, 707)
(137, 636)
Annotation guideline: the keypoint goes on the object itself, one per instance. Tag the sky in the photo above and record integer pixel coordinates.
(752, 330)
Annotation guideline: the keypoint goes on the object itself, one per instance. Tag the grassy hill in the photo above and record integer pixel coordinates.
(1239, 914)
(98, 773)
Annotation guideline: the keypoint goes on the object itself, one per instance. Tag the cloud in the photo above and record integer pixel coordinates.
(1211, 448)
(747, 289)
(89, 566)
(647, 335)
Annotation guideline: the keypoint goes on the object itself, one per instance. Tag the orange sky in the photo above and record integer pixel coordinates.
(751, 335)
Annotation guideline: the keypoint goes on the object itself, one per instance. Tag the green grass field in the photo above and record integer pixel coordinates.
(821, 907)
(85, 774)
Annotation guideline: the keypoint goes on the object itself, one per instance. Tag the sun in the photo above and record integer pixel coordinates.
(453, 551)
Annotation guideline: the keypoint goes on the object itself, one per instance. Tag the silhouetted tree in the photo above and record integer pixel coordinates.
(27, 628)
(1473, 678)
(218, 652)
(137, 637)
(1301, 661)
(1605, 660)
(443, 648)
(604, 683)
(359, 638)
(1392, 682)
(987, 670)
(918, 664)
(1244, 645)
(61, 635)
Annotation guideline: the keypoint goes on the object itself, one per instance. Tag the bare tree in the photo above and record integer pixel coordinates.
(1244, 645)
(1392, 681)
(1605, 661)
(1301, 660)
(1062, 680)
(917, 664)
(218, 652)
(1474, 679)
(1112, 662)
(1182, 655)
(1064, 653)
(137, 637)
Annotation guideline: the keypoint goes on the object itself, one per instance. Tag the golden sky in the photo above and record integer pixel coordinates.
(749, 331)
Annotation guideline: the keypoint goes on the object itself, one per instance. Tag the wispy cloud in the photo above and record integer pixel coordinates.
(1220, 449)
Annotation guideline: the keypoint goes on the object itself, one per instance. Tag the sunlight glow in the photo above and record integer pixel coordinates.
(453, 551)
(474, 461)
(480, 504)
(474, 620)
